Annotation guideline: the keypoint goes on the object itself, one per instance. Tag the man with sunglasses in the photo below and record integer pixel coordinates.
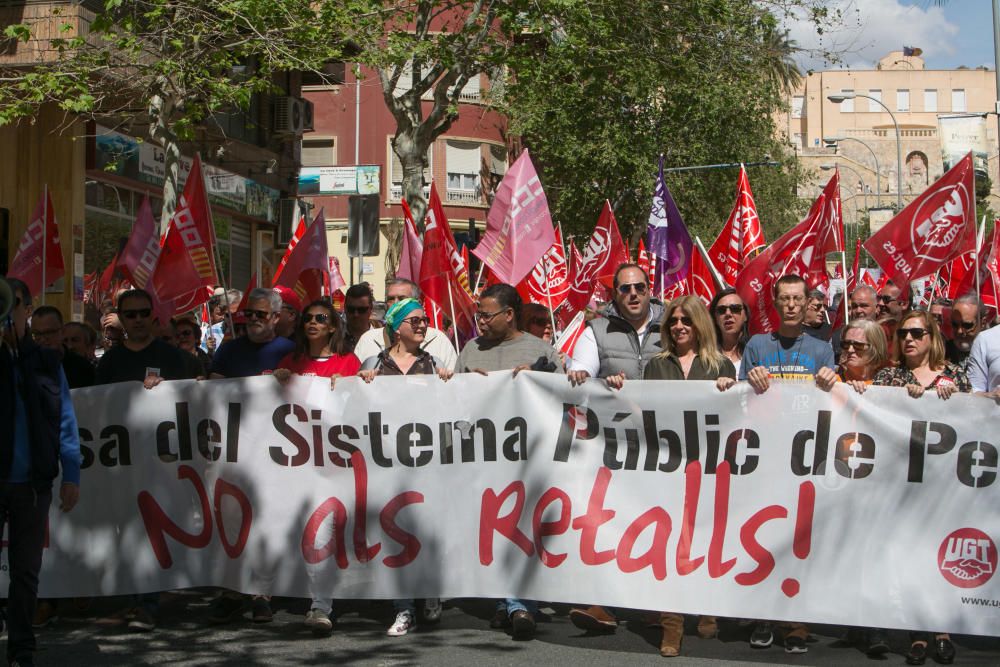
(623, 341)
(288, 315)
(616, 347)
(890, 304)
(359, 301)
(376, 339)
(261, 348)
(38, 437)
(966, 316)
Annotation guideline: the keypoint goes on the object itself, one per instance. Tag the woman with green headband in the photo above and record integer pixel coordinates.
(407, 326)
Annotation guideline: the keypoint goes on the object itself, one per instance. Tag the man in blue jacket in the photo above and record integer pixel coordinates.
(38, 435)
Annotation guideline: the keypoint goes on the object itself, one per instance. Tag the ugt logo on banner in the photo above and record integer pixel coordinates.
(967, 558)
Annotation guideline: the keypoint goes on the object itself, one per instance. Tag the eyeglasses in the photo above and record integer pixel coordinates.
(256, 314)
(357, 310)
(685, 320)
(539, 321)
(786, 299)
(626, 288)
(135, 313)
(184, 333)
(487, 317)
(319, 318)
(964, 326)
(734, 308)
(859, 305)
(846, 345)
(817, 307)
(44, 334)
(415, 322)
(886, 299)
(917, 333)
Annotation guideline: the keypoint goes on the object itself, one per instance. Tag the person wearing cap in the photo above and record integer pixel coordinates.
(373, 341)
(288, 315)
(406, 325)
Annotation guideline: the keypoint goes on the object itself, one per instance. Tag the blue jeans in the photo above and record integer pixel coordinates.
(407, 604)
(516, 604)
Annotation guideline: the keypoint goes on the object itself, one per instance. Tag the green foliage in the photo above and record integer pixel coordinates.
(609, 87)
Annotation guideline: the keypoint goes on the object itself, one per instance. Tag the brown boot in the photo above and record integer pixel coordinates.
(708, 627)
(673, 633)
(593, 619)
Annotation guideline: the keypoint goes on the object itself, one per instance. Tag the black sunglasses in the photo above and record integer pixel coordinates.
(917, 333)
(132, 314)
(846, 345)
(319, 318)
(357, 310)
(686, 321)
(256, 314)
(625, 288)
(964, 326)
(734, 308)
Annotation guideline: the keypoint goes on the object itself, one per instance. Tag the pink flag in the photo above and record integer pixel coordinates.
(413, 248)
(336, 277)
(142, 251)
(518, 226)
(41, 239)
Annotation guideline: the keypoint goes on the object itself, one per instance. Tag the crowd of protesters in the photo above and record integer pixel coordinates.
(945, 348)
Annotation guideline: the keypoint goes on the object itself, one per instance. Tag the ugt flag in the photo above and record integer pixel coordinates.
(932, 230)
(518, 226)
(741, 235)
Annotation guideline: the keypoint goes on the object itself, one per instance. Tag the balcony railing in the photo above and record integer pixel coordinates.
(464, 196)
(396, 191)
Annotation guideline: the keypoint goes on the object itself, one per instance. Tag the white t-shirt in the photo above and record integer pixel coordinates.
(984, 361)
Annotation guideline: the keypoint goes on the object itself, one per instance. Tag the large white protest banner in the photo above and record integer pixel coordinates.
(870, 510)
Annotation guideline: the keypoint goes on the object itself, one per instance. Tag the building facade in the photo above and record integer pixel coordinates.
(863, 133)
(353, 128)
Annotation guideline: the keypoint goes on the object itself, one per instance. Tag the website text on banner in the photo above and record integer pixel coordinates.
(872, 510)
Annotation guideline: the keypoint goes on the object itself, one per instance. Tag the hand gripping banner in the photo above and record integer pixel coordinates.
(866, 510)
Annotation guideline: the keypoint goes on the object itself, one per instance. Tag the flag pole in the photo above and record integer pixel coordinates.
(552, 315)
(454, 321)
(843, 269)
(720, 284)
(45, 238)
(979, 242)
(475, 288)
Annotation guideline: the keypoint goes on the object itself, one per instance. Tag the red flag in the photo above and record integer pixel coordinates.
(337, 281)
(933, 229)
(963, 273)
(518, 226)
(413, 248)
(465, 259)
(40, 238)
(548, 283)
(642, 259)
(801, 251)
(701, 282)
(740, 236)
(566, 342)
(989, 281)
(300, 231)
(605, 251)
(141, 253)
(308, 267)
(855, 274)
(442, 275)
(187, 263)
(252, 285)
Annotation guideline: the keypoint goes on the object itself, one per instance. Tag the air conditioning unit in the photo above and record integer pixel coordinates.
(292, 115)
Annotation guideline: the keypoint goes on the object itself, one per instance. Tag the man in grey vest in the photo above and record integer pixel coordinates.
(617, 347)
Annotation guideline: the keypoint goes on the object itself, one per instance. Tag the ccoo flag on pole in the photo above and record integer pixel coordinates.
(667, 237)
(519, 227)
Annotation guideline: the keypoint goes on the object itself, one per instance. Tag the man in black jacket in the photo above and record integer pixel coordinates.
(38, 435)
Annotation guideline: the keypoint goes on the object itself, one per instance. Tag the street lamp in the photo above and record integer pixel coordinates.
(878, 176)
(837, 99)
(864, 188)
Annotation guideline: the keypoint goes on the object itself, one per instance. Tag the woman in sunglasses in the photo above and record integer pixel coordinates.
(319, 346)
(923, 366)
(863, 353)
(407, 326)
(690, 352)
(729, 314)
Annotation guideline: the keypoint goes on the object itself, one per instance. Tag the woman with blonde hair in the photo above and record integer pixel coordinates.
(690, 352)
(863, 353)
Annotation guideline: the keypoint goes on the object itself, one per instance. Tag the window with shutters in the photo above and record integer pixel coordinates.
(873, 104)
(798, 106)
(405, 81)
(463, 162)
(319, 152)
(396, 173)
(930, 100)
(902, 100)
(958, 100)
(847, 106)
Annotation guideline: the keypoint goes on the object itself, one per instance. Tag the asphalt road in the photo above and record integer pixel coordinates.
(97, 635)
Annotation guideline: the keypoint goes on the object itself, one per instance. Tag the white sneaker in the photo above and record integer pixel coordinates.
(432, 610)
(318, 621)
(404, 623)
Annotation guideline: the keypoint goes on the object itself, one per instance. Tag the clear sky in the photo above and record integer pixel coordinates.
(957, 32)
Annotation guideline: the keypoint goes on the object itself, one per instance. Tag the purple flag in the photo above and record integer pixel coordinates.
(667, 237)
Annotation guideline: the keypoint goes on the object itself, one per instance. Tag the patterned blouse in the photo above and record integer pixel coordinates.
(900, 376)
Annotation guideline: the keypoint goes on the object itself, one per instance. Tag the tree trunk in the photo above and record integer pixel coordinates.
(412, 155)
(161, 109)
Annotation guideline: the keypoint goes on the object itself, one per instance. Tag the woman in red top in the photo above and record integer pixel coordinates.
(319, 346)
